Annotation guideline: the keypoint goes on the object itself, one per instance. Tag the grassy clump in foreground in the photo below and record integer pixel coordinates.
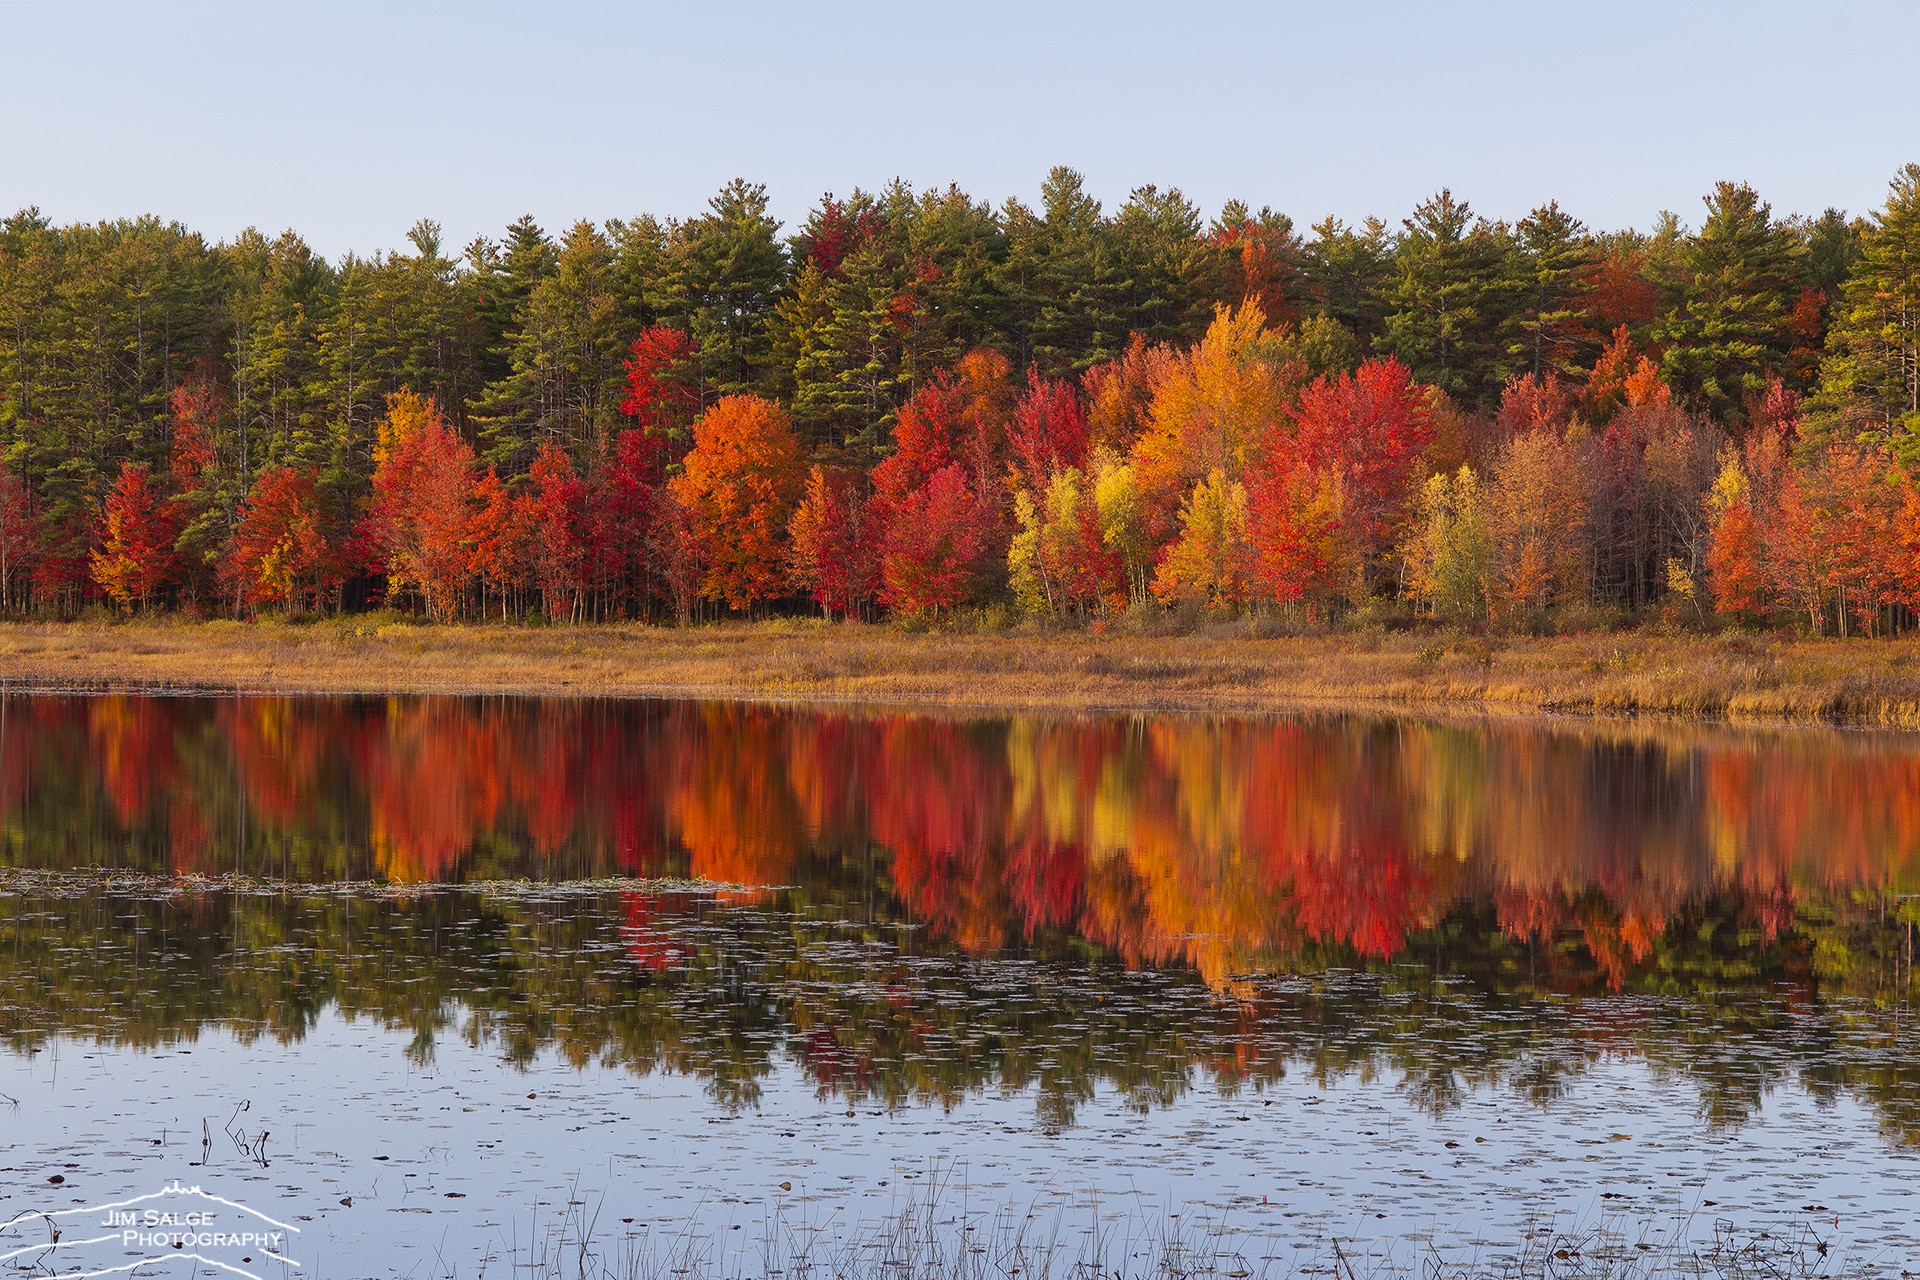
(1229, 667)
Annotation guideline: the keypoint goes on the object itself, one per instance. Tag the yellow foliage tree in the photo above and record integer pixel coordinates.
(1208, 564)
(1450, 554)
(1213, 405)
(1123, 519)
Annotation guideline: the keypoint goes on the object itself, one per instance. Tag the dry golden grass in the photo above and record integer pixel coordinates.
(1721, 678)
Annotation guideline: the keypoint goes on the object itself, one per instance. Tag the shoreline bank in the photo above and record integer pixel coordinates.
(1728, 679)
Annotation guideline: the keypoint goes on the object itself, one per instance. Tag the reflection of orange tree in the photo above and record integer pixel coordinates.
(1203, 895)
(429, 788)
(1841, 811)
(1230, 845)
(733, 801)
(137, 747)
(277, 746)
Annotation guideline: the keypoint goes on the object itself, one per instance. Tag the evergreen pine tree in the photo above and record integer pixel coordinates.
(1737, 280)
(1870, 378)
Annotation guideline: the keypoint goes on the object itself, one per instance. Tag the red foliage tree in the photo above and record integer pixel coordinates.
(925, 437)
(834, 551)
(962, 416)
(136, 557)
(17, 539)
(280, 552)
(1049, 431)
(1370, 427)
(422, 503)
(62, 562)
(1294, 522)
(1088, 571)
(673, 542)
(936, 541)
(835, 230)
(561, 526)
(621, 498)
(1618, 293)
(193, 473)
(1341, 476)
(663, 382)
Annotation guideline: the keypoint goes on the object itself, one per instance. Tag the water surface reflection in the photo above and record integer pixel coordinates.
(1231, 846)
(1429, 977)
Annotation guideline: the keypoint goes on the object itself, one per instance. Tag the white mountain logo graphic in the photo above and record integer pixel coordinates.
(174, 1223)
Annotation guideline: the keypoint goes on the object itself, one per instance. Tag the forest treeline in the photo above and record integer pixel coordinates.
(918, 402)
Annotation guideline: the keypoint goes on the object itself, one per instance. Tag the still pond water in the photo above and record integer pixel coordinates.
(451, 983)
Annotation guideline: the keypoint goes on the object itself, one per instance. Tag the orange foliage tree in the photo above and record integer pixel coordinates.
(741, 483)
(1624, 376)
(1120, 391)
(1212, 410)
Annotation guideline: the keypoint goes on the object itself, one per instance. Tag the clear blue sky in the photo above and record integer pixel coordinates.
(348, 120)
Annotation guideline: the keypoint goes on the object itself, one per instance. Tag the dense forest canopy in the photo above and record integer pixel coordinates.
(917, 401)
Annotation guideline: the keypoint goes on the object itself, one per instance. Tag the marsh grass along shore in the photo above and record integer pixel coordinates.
(1730, 677)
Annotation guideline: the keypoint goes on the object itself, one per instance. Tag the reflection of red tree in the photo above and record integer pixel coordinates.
(938, 795)
(428, 787)
(834, 1068)
(1045, 882)
(1367, 896)
(548, 782)
(132, 744)
(652, 948)
(1329, 812)
(1225, 844)
(1529, 914)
